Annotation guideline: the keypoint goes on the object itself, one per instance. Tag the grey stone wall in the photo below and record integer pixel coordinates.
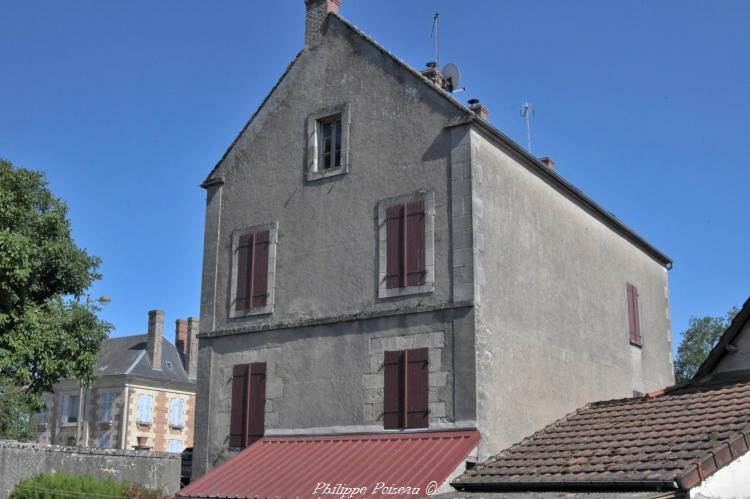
(158, 470)
(551, 307)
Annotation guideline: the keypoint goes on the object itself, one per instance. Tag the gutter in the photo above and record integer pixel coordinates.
(569, 486)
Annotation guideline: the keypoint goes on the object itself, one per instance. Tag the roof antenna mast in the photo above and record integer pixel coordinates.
(436, 33)
(527, 111)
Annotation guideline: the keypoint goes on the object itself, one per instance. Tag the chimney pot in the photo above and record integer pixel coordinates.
(549, 162)
(316, 13)
(155, 334)
(478, 108)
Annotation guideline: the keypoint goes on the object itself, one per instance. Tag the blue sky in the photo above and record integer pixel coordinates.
(126, 106)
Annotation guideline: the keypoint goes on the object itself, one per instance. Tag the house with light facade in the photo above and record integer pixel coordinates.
(384, 267)
(143, 398)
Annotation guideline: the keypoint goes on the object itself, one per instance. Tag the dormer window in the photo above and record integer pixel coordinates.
(328, 143)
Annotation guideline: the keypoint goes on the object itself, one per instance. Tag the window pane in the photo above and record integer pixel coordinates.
(326, 146)
(174, 445)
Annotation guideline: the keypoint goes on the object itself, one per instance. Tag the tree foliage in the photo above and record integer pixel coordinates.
(698, 340)
(47, 332)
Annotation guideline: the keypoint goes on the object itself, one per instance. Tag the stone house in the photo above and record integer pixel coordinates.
(380, 259)
(144, 396)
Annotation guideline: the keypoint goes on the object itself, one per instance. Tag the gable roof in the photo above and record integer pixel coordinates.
(470, 118)
(728, 338)
(127, 356)
(671, 440)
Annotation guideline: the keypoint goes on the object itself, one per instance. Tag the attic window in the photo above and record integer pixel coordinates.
(328, 143)
(169, 365)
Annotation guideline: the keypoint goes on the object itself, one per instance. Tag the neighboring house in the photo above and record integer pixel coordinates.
(155, 377)
(378, 258)
(690, 440)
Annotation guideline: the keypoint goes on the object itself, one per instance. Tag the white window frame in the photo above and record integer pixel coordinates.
(429, 244)
(273, 238)
(177, 419)
(178, 442)
(105, 410)
(65, 407)
(141, 408)
(313, 171)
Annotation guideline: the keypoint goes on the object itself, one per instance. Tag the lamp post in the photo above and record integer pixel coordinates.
(103, 300)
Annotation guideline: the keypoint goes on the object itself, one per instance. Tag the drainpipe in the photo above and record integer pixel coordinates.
(79, 423)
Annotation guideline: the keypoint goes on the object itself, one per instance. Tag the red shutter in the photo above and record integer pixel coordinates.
(256, 402)
(415, 247)
(393, 396)
(238, 416)
(244, 267)
(394, 222)
(418, 389)
(260, 269)
(634, 325)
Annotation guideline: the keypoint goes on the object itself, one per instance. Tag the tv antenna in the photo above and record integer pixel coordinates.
(527, 111)
(436, 34)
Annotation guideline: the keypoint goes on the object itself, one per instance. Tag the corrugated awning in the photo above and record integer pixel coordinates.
(365, 465)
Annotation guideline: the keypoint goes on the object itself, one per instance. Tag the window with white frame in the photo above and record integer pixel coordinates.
(69, 408)
(106, 400)
(174, 445)
(177, 413)
(145, 408)
(328, 142)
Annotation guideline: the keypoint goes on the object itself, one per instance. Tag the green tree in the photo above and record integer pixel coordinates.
(47, 330)
(698, 340)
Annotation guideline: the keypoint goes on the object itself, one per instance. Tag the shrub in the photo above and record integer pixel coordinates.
(65, 485)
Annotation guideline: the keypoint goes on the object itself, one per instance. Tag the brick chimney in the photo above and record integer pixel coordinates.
(180, 335)
(549, 162)
(478, 108)
(191, 354)
(155, 333)
(317, 12)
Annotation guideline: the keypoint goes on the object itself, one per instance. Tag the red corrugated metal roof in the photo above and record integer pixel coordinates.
(302, 466)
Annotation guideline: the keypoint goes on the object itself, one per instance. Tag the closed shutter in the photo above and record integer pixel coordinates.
(634, 325)
(244, 266)
(259, 290)
(394, 221)
(240, 374)
(417, 388)
(257, 402)
(393, 396)
(415, 247)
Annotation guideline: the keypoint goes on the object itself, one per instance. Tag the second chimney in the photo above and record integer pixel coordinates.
(180, 335)
(316, 12)
(155, 333)
(479, 109)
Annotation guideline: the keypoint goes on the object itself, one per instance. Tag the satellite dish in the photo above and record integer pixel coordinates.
(452, 76)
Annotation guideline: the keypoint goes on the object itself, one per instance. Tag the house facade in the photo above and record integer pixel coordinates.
(378, 258)
(144, 396)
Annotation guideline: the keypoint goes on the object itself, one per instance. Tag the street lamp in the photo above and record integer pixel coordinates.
(102, 300)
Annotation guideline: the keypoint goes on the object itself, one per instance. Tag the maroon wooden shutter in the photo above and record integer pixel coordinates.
(259, 281)
(394, 226)
(415, 247)
(393, 396)
(634, 322)
(256, 402)
(418, 389)
(240, 374)
(244, 267)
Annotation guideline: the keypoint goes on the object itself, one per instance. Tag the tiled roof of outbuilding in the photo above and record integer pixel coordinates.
(665, 441)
